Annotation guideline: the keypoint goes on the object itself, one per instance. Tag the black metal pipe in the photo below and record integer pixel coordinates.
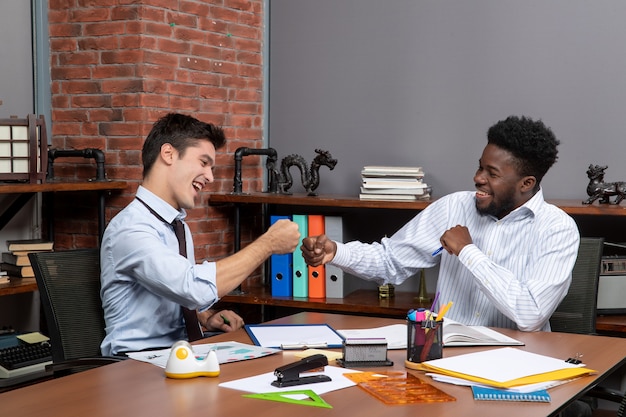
(96, 154)
(270, 164)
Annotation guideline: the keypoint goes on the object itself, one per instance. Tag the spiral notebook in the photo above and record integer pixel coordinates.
(496, 394)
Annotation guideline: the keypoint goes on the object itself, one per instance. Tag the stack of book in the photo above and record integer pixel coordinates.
(393, 183)
(15, 262)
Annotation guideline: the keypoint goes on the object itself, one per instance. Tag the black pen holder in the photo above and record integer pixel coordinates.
(424, 341)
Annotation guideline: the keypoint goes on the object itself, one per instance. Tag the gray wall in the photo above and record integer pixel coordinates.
(416, 82)
(16, 59)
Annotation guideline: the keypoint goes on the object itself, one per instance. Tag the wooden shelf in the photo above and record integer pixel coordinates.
(26, 191)
(20, 188)
(318, 201)
(29, 284)
(577, 208)
(572, 207)
(359, 301)
(611, 324)
(18, 286)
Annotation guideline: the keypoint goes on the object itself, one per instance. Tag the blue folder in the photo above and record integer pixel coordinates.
(280, 269)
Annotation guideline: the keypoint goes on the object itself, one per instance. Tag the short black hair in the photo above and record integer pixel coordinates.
(532, 144)
(181, 131)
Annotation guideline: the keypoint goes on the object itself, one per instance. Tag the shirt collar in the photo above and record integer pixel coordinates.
(160, 206)
(529, 208)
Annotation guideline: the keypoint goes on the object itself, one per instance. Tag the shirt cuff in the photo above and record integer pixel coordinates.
(342, 256)
(207, 271)
(470, 255)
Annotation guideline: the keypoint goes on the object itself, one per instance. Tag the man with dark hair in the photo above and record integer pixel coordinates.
(507, 255)
(149, 276)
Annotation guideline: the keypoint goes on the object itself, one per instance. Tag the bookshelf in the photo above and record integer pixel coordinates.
(365, 301)
(25, 191)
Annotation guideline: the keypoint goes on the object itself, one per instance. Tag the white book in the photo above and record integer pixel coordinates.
(411, 191)
(398, 197)
(393, 184)
(383, 180)
(374, 170)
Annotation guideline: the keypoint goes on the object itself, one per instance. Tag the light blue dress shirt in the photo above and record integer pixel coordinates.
(145, 280)
(514, 275)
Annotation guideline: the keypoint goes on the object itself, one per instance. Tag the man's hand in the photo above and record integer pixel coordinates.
(455, 239)
(283, 236)
(224, 320)
(318, 250)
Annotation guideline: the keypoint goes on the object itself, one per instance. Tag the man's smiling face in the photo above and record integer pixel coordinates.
(498, 184)
(190, 172)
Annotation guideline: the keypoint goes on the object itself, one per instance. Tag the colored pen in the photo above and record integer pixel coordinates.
(443, 311)
(438, 251)
(226, 321)
(432, 307)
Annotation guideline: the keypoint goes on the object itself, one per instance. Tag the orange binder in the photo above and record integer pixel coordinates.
(317, 275)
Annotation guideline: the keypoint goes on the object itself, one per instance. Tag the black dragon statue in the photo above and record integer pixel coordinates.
(310, 176)
(598, 189)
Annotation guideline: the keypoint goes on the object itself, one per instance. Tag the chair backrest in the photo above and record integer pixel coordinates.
(69, 284)
(577, 311)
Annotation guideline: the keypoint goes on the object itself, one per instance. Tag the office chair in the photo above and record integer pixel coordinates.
(577, 311)
(69, 285)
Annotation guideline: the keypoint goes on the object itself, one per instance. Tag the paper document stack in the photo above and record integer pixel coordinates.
(393, 183)
(506, 368)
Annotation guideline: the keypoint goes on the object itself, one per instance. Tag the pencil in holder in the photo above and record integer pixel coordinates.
(424, 341)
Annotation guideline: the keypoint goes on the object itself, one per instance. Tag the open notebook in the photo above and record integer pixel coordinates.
(457, 334)
(454, 334)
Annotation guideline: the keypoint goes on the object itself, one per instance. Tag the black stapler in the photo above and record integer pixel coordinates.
(289, 375)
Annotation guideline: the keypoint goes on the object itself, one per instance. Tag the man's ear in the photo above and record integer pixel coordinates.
(168, 153)
(528, 183)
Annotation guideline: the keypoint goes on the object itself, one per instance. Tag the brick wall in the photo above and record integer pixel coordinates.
(117, 66)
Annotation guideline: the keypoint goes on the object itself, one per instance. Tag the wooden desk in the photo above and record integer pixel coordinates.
(132, 388)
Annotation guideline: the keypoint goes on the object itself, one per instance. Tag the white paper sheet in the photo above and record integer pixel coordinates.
(226, 352)
(502, 364)
(263, 383)
(296, 335)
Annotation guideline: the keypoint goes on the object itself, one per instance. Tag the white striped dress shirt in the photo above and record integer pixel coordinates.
(514, 275)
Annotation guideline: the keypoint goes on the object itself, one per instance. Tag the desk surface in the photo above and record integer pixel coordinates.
(133, 388)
